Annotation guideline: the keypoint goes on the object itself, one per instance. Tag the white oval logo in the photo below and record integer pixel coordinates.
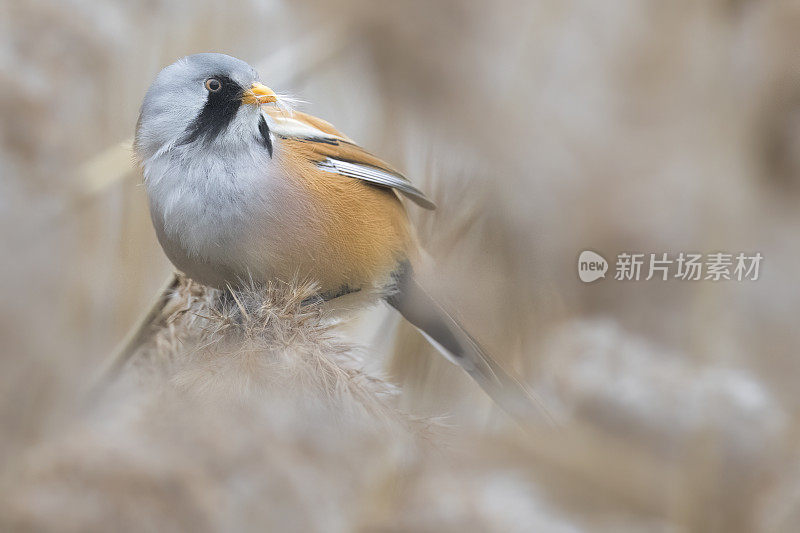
(591, 266)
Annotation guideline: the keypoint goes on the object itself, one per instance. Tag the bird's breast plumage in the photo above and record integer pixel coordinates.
(229, 215)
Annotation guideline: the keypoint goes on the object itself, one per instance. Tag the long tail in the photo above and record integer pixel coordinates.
(450, 338)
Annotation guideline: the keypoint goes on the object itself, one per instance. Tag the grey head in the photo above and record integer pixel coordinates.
(199, 99)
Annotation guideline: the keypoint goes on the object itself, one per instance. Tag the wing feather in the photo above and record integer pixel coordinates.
(332, 151)
(377, 176)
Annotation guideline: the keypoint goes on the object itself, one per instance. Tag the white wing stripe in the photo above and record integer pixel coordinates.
(377, 176)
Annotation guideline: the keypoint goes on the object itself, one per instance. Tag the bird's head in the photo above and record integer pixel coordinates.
(202, 98)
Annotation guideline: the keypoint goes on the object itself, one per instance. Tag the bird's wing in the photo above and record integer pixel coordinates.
(333, 152)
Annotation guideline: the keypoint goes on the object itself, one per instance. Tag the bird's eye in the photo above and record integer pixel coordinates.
(213, 85)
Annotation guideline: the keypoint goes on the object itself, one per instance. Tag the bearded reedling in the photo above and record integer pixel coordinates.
(242, 191)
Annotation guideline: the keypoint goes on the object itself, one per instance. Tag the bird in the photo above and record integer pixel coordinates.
(243, 188)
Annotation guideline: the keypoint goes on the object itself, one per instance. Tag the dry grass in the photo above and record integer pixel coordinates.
(254, 412)
(201, 431)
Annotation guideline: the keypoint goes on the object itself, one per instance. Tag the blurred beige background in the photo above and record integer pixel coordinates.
(541, 129)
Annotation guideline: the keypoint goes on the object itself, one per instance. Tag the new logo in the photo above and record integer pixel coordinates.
(591, 266)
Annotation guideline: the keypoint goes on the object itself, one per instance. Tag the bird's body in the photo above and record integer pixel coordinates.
(273, 216)
(242, 192)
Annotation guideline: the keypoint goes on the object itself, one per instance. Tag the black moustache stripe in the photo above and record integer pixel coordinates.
(263, 129)
(220, 109)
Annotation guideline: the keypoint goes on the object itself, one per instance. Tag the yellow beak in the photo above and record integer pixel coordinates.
(259, 94)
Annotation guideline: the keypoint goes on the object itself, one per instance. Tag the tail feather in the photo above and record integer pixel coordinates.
(450, 338)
